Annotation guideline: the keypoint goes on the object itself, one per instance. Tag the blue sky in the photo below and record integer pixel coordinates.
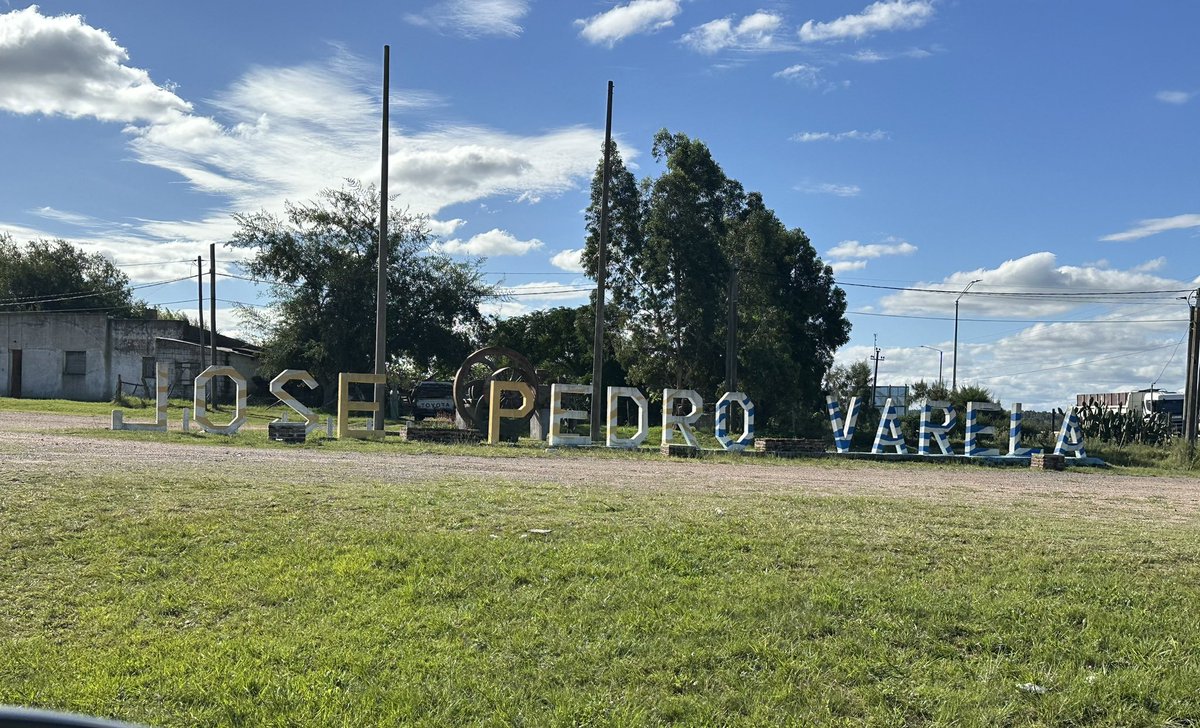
(1043, 148)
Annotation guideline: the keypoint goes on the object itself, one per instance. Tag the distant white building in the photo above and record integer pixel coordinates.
(86, 356)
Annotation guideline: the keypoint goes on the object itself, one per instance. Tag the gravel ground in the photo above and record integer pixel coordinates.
(34, 443)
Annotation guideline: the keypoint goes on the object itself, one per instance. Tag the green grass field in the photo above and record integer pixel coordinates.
(226, 598)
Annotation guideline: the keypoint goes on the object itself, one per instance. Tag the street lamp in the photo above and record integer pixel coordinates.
(940, 354)
(954, 374)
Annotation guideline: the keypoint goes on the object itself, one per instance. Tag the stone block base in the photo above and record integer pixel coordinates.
(290, 432)
(1047, 461)
(788, 445)
(679, 450)
(444, 435)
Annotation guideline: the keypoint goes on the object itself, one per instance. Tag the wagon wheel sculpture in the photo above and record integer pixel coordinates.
(473, 381)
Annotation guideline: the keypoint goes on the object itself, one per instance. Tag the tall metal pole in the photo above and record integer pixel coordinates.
(1191, 390)
(212, 315)
(731, 372)
(212, 303)
(598, 399)
(876, 357)
(200, 306)
(381, 273)
(954, 375)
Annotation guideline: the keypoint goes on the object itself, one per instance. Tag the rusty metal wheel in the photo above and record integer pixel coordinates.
(472, 382)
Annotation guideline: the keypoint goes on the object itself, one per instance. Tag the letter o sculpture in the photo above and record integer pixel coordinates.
(200, 402)
(722, 421)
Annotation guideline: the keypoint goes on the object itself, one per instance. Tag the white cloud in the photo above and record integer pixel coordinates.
(445, 227)
(872, 56)
(1035, 273)
(755, 32)
(845, 266)
(1151, 265)
(1175, 97)
(474, 18)
(535, 296)
(1043, 366)
(801, 72)
(1085, 344)
(493, 242)
(277, 133)
(855, 249)
(60, 66)
(829, 188)
(1154, 226)
(886, 15)
(622, 21)
(853, 134)
(568, 260)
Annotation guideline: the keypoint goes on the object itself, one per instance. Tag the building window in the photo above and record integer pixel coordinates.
(148, 370)
(76, 363)
(186, 371)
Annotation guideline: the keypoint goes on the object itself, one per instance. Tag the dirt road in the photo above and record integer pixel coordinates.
(36, 444)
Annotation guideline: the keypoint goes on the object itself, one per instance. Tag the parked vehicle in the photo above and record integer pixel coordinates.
(430, 399)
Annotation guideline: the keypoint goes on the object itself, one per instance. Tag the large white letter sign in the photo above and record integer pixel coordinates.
(345, 406)
(558, 414)
(722, 421)
(975, 428)
(888, 434)
(1014, 434)
(311, 421)
(843, 433)
(610, 435)
(200, 401)
(162, 384)
(1070, 437)
(683, 422)
(931, 433)
(496, 411)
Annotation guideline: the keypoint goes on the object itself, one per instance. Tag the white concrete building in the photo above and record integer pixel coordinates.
(83, 356)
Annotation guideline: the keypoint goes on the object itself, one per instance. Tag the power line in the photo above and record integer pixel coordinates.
(53, 298)
(153, 262)
(1020, 321)
(1022, 294)
(1076, 364)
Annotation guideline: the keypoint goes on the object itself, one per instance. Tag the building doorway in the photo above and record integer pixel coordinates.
(14, 374)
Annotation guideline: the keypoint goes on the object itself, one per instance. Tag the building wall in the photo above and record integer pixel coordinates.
(112, 349)
(44, 340)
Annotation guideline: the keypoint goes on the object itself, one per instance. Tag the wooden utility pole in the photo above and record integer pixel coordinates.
(876, 357)
(598, 399)
(212, 314)
(200, 306)
(381, 272)
(1191, 386)
(212, 304)
(731, 340)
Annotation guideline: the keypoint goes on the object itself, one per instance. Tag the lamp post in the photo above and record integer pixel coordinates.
(940, 354)
(954, 370)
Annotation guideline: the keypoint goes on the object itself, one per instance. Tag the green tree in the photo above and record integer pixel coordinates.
(552, 340)
(928, 390)
(970, 393)
(321, 257)
(625, 236)
(668, 273)
(790, 313)
(675, 240)
(55, 275)
(844, 382)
